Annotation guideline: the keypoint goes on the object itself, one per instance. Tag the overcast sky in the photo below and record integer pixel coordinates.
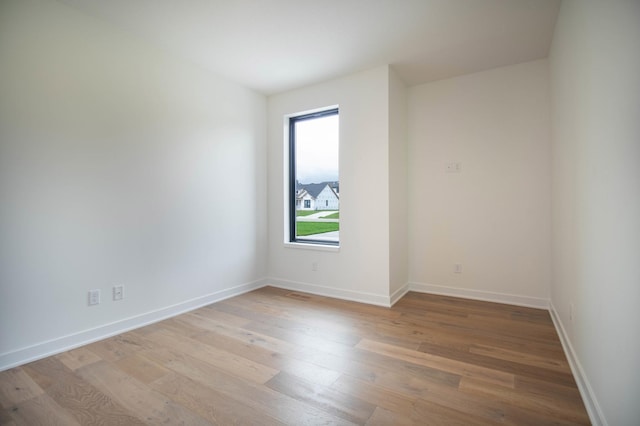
(317, 149)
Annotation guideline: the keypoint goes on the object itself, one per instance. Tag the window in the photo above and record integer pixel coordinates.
(314, 177)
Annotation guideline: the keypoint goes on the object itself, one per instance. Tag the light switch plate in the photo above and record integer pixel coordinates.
(453, 167)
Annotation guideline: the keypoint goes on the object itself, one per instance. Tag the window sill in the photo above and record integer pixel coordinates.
(312, 246)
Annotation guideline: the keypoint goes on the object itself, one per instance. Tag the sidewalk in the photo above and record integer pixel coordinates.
(318, 217)
(325, 236)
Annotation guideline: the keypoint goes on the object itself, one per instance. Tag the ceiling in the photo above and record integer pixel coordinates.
(277, 45)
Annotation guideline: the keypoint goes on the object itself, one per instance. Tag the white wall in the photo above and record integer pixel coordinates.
(595, 76)
(360, 269)
(118, 165)
(398, 202)
(494, 216)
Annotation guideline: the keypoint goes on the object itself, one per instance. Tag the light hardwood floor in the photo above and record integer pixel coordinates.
(273, 357)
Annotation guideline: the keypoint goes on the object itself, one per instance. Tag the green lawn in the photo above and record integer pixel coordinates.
(309, 228)
(335, 215)
(300, 213)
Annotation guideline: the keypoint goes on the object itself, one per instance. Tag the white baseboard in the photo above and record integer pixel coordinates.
(71, 341)
(588, 397)
(354, 296)
(487, 296)
(399, 294)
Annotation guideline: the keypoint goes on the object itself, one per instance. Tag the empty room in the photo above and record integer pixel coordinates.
(291, 212)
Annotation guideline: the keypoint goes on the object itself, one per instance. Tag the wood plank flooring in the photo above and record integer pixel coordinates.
(276, 357)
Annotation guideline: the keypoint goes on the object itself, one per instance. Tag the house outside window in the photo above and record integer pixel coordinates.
(313, 178)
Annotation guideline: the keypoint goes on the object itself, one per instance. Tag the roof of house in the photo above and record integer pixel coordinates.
(314, 189)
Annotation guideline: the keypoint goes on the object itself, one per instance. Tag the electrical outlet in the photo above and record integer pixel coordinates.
(118, 292)
(457, 268)
(94, 297)
(314, 266)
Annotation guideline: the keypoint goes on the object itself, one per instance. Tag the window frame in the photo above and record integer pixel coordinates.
(291, 202)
